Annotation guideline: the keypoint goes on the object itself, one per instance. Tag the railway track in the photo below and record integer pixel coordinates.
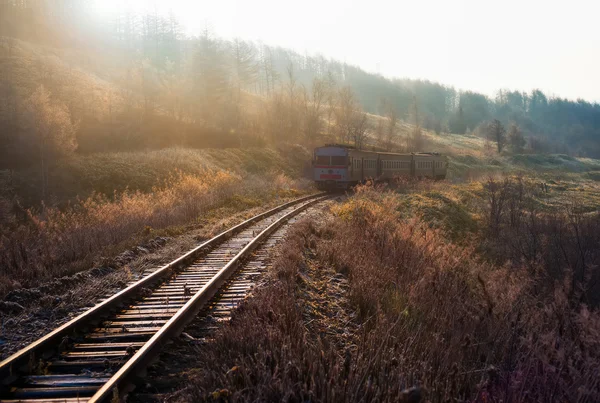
(100, 354)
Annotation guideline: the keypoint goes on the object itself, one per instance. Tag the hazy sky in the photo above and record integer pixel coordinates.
(478, 45)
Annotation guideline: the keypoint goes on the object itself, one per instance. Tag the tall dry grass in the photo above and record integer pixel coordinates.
(458, 325)
(53, 241)
(432, 314)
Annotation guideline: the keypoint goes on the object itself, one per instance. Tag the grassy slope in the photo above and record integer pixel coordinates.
(106, 173)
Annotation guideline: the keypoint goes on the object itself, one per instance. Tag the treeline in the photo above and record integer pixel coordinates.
(164, 88)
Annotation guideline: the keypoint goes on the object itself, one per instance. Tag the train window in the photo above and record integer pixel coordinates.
(322, 160)
(340, 161)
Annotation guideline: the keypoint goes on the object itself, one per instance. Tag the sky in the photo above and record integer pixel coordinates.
(478, 45)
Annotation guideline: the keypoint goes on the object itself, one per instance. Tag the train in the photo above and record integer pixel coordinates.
(340, 167)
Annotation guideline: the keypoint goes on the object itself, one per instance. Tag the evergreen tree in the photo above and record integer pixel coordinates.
(497, 133)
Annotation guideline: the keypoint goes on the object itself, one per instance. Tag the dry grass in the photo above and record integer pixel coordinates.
(55, 242)
(432, 314)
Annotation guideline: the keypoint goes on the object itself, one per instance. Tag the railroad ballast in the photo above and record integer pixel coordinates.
(339, 167)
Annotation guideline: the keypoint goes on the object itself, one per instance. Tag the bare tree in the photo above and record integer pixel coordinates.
(210, 80)
(331, 90)
(269, 73)
(497, 195)
(294, 110)
(52, 131)
(245, 72)
(416, 140)
(391, 128)
(344, 113)
(380, 132)
(313, 109)
(358, 128)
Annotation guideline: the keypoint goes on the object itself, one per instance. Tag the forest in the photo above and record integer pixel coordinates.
(73, 83)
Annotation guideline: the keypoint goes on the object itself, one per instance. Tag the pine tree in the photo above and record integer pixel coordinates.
(497, 133)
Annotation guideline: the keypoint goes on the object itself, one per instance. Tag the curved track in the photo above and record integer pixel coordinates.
(99, 354)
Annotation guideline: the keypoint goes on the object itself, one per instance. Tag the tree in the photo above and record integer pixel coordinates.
(516, 140)
(245, 72)
(210, 79)
(344, 113)
(331, 97)
(497, 133)
(457, 123)
(380, 132)
(416, 140)
(313, 109)
(358, 128)
(391, 128)
(52, 131)
(293, 98)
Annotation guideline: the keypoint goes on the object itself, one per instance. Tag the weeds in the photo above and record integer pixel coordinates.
(48, 243)
(432, 314)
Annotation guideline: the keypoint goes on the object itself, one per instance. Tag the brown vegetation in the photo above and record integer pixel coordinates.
(431, 314)
(37, 246)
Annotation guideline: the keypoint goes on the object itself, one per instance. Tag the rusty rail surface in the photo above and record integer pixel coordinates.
(132, 337)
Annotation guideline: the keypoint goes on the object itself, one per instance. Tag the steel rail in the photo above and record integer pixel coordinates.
(148, 351)
(94, 314)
